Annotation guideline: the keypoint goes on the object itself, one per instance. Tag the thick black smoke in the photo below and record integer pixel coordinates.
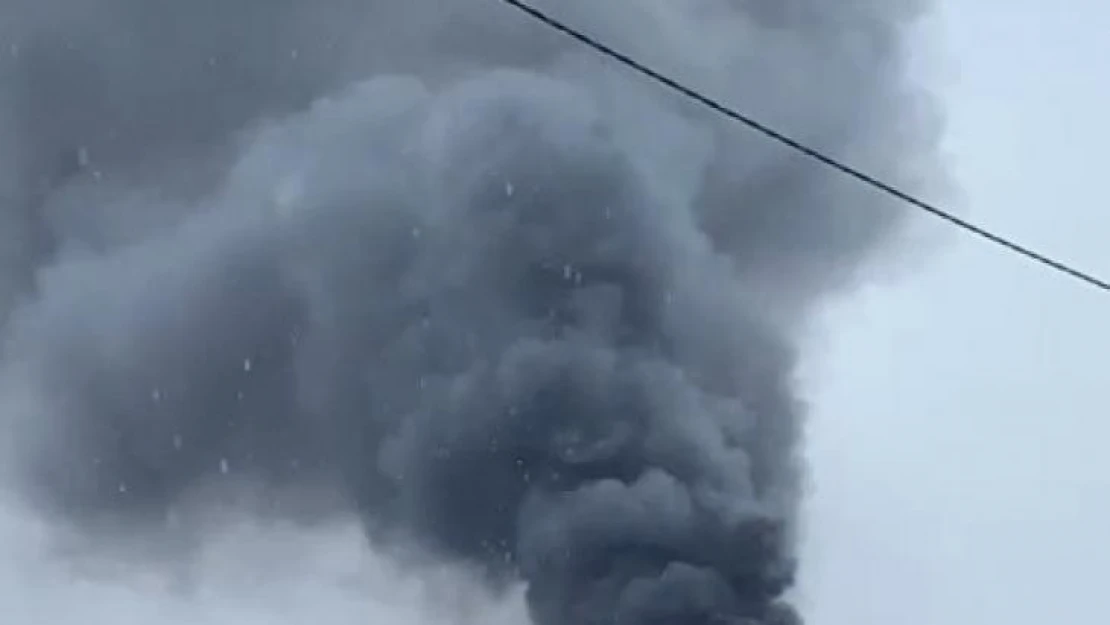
(519, 304)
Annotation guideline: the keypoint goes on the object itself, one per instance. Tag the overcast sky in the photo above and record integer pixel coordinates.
(957, 446)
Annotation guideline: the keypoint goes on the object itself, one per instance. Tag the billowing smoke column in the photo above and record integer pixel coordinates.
(506, 298)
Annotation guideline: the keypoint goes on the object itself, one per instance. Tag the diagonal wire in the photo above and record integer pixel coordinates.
(889, 189)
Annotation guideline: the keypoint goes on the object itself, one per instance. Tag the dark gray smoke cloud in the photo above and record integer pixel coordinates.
(505, 297)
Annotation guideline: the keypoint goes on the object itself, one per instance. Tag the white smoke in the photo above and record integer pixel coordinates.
(238, 574)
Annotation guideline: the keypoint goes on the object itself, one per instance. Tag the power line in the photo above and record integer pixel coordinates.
(932, 209)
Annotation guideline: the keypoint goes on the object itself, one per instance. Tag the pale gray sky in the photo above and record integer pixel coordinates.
(957, 445)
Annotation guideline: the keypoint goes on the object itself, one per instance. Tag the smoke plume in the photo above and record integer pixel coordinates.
(511, 303)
